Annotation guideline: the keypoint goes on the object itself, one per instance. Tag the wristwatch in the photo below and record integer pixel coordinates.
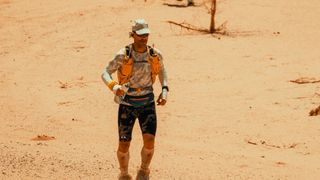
(165, 87)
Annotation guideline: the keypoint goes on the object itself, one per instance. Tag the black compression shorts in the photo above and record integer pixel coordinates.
(128, 114)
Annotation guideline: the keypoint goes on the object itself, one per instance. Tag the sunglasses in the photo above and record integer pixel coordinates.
(142, 35)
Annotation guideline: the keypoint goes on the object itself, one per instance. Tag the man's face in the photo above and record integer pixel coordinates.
(140, 39)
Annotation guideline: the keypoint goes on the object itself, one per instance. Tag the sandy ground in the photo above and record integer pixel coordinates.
(232, 111)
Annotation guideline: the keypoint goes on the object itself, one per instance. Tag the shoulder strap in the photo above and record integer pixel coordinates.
(128, 51)
(152, 52)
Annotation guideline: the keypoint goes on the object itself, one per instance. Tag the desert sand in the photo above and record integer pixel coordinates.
(234, 110)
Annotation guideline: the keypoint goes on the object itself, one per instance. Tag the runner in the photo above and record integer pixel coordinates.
(137, 67)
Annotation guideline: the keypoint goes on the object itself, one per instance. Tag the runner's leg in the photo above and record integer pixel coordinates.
(148, 124)
(126, 119)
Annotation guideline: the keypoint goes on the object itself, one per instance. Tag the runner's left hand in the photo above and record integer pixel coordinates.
(161, 101)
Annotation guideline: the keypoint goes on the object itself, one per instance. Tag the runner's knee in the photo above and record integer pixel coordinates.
(124, 147)
(148, 141)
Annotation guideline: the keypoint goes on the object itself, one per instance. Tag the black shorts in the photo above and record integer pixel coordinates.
(127, 116)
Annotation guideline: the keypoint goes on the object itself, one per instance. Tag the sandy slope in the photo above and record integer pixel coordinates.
(232, 112)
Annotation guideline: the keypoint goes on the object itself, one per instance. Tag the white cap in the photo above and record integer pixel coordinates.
(140, 27)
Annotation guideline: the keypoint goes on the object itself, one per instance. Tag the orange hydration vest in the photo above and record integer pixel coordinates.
(125, 72)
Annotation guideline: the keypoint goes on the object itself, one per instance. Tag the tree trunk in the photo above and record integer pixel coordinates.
(213, 13)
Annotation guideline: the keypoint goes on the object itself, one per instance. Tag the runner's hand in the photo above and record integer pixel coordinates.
(161, 101)
(117, 90)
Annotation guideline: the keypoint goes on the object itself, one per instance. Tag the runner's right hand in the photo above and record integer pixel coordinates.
(117, 90)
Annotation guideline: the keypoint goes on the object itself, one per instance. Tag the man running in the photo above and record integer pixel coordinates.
(137, 67)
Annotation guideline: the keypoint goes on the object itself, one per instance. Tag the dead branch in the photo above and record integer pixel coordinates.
(189, 4)
(221, 30)
(206, 7)
(315, 112)
(189, 26)
(222, 27)
(213, 14)
(264, 143)
(305, 80)
(175, 5)
(215, 32)
(250, 142)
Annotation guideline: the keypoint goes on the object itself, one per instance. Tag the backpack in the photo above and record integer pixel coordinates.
(125, 72)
